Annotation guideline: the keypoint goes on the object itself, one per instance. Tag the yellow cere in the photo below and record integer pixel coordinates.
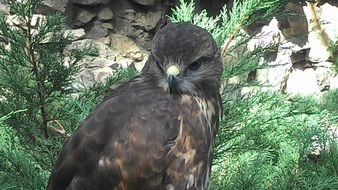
(173, 70)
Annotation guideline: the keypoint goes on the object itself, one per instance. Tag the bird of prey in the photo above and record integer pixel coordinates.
(156, 131)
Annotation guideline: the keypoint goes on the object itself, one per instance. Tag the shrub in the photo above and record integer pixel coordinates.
(266, 140)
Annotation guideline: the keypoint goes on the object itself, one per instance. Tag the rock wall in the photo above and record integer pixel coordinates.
(304, 58)
(121, 31)
(136, 19)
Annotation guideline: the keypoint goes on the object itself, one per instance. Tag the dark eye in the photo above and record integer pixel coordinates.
(195, 65)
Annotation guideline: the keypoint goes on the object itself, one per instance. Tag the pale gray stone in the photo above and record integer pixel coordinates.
(334, 82)
(268, 36)
(324, 73)
(87, 2)
(296, 21)
(105, 40)
(77, 34)
(144, 2)
(97, 31)
(51, 6)
(329, 20)
(105, 14)
(123, 43)
(139, 65)
(321, 32)
(102, 74)
(149, 20)
(128, 52)
(302, 82)
(108, 26)
(83, 17)
(274, 76)
(37, 19)
(4, 8)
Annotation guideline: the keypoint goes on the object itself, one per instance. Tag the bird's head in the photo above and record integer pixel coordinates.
(184, 59)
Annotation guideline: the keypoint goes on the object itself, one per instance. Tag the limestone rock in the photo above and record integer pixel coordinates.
(139, 65)
(147, 21)
(278, 63)
(129, 52)
(124, 44)
(294, 24)
(83, 17)
(144, 2)
(302, 82)
(105, 14)
(87, 2)
(13, 20)
(329, 21)
(4, 8)
(105, 40)
(334, 82)
(295, 44)
(108, 26)
(320, 20)
(51, 6)
(324, 73)
(274, 76)
(37, 19)
(77, 34)
(136, 24)
(96, 69)
(97, 31)
(103, 51)
(103, 74)
(268, 36)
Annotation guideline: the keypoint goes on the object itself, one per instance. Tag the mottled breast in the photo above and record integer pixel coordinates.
(190, 157)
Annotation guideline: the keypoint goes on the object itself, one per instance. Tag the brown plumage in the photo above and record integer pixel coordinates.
(157, 130)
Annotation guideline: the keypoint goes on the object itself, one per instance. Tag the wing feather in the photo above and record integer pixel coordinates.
(124, 142)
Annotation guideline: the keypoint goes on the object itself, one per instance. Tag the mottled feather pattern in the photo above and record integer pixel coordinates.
(190, 155)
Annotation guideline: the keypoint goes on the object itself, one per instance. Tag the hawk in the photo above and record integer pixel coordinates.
(156, 131)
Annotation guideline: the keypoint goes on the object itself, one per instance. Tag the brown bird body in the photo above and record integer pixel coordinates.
(156, 131)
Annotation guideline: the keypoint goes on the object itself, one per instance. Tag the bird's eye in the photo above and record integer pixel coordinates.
(195, 65)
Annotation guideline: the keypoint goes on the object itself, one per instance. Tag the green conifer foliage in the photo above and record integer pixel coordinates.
(18, 168)
(33, 74)
(266, 140)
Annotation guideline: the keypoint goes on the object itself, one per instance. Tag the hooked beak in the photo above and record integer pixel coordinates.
(172, 72)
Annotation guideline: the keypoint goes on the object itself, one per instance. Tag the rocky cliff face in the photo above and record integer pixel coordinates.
(121, 31)
(305, 56)
(304, 59)
(136, 19)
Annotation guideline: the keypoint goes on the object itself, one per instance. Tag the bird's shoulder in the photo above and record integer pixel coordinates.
(136, 105)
